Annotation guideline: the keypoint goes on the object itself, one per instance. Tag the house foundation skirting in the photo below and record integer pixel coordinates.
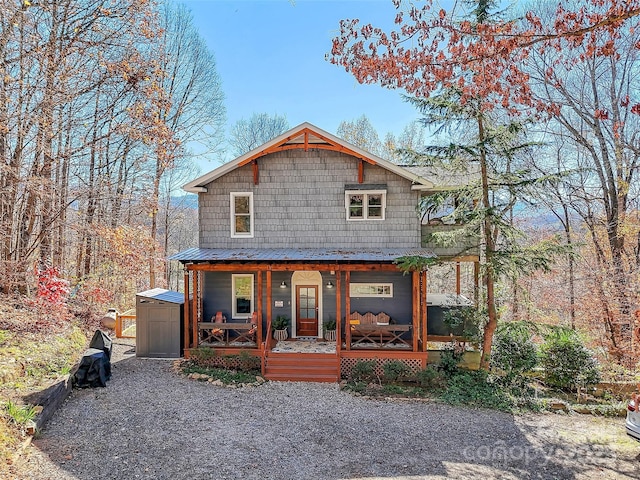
(229, 358)
(416, 361)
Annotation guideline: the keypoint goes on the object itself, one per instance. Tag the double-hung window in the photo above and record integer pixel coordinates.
(365, 204)
(242, 292)
(242, 214)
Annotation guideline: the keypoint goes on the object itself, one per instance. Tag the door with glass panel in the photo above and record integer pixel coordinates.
(307, 310)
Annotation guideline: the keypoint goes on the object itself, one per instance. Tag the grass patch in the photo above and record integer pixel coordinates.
(10, 438)
(19, 414)
(409, 391)
(30, 361)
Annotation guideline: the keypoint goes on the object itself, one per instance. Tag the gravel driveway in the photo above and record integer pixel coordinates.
(151, 423)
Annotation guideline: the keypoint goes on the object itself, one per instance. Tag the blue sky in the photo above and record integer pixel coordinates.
(270, 55)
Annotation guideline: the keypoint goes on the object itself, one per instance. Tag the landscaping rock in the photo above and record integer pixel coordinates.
(583, 409)
(622, 389)
(558, 406)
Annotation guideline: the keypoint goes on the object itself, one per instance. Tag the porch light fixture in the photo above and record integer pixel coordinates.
(329, 284)
(283, 284)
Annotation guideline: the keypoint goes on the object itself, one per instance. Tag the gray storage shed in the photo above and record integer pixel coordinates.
(159, 324)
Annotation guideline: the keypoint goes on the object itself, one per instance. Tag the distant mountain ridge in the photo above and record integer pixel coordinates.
(189, 201)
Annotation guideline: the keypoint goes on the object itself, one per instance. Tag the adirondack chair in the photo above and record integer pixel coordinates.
(249, 335)
(215, 334)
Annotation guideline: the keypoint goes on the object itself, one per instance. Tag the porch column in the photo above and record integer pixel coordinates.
(194, 309)
(269, 306)
(423, 305)
(416, 308)
(200, 311)
(187, 330)
(259, 308)
(476, 283)
(347, 305)
(458, 278)
(338, 312)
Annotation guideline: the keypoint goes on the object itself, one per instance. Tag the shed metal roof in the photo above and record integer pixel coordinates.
(336, 255)
(163, 295)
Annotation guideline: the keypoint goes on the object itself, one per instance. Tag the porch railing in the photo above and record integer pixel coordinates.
(269, 334)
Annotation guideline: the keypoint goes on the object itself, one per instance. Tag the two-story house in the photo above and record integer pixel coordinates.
(309, 227)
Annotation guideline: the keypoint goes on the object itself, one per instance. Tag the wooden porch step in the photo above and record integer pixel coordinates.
(302, 367)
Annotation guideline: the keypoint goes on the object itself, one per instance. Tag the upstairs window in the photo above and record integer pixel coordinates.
(365, 204)
(242, 215)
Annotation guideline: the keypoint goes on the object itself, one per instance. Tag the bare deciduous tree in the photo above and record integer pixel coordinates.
(260, 128)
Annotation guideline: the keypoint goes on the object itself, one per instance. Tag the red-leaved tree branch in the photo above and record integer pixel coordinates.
(432, 50)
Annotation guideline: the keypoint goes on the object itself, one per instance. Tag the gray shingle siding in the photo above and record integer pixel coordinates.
(299, 202)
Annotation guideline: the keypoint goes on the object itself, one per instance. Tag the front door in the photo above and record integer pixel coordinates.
(307, 311)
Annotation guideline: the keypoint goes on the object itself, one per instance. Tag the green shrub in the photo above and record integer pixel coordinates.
(203, 356)
(474, 388)
(513, 352)
(450, 358)
(363, 371)
(248, 362)
(395, 370)
(431, 378)
(567, 363)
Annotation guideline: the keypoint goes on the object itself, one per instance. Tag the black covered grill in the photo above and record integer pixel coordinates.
(95, 366)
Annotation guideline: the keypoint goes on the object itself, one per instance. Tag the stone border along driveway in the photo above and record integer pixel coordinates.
(152, 423)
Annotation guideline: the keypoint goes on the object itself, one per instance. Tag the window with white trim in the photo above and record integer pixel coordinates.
(380, 290)
(242, 294)
(365, 204)
(242, 214)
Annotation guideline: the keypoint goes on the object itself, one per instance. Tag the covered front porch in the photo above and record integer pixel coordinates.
(379, 312)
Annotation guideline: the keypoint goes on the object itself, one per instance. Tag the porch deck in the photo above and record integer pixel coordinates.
(304, 346)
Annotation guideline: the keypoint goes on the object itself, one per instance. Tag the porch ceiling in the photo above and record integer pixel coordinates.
(334, 255)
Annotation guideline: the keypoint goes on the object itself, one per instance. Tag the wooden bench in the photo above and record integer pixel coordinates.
(376, 329)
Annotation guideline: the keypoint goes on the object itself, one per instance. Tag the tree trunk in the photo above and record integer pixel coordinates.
(154, 223)
(489, 248)
(572, 278)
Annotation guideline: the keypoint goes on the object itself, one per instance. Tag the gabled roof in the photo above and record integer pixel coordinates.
(305, 136)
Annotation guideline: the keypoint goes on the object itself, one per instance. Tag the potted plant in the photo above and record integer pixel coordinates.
(280, 325)
(330, 330)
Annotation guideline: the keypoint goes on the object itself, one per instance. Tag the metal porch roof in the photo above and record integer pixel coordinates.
(335, 255)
